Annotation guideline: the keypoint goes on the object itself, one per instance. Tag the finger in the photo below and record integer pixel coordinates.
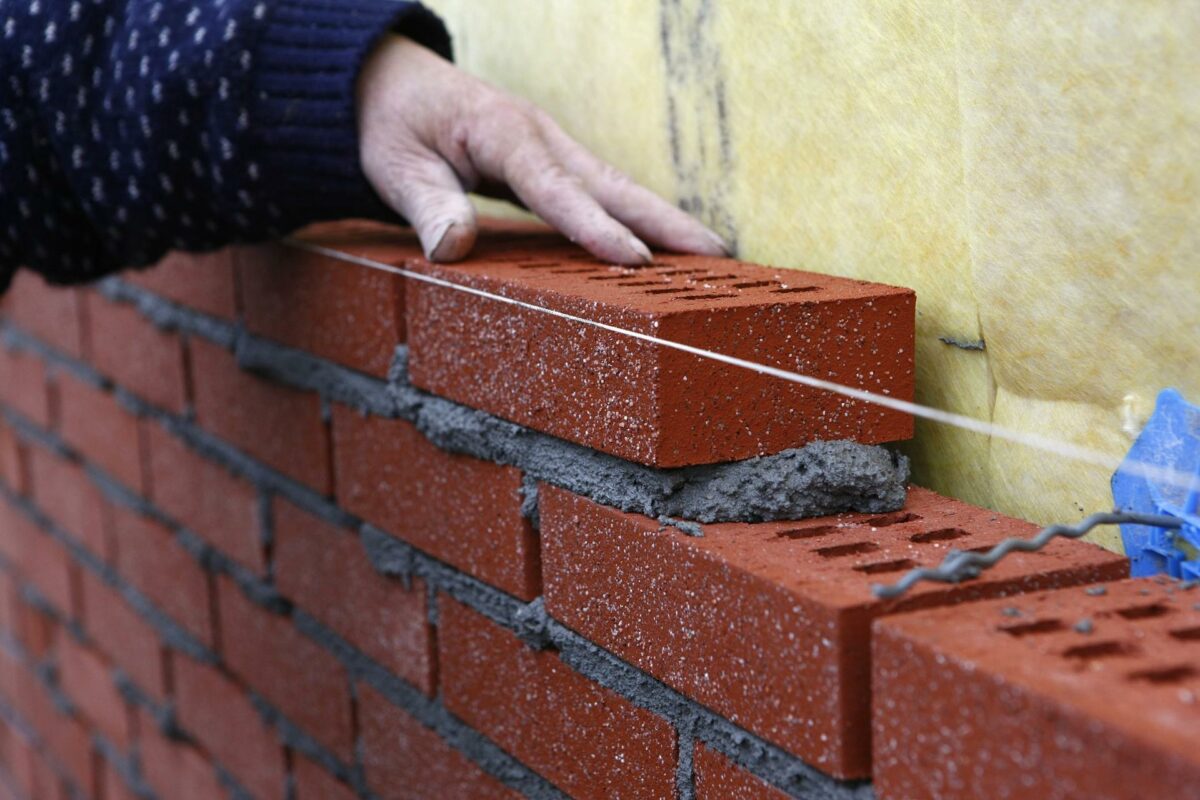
(642, 210)
(427, 193)
(558, 197)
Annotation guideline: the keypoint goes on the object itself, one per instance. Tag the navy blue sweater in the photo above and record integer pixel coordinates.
(131, 127)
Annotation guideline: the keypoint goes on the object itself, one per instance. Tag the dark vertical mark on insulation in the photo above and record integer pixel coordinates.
(697, 113)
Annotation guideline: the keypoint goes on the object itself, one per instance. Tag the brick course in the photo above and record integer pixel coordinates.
(795, 666)
(643, 402)
(201, 281)
(23, 386)
(104, 432)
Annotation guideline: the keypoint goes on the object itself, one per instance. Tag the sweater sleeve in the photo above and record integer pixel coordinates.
(132, 127)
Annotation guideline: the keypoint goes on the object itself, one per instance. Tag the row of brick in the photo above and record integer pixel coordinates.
(636, 400)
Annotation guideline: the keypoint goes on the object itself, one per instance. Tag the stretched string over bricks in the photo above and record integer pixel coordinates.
(1032, 440)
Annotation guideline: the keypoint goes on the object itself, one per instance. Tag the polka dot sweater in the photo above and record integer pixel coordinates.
(132, 127)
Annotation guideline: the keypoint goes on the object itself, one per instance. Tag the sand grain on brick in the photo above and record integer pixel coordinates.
(638, 400)
(1009, 699)
(769, 623)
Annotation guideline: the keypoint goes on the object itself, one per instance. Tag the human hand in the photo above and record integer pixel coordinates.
(429, 133)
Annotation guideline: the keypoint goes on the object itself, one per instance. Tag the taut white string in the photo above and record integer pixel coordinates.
(1033, 440)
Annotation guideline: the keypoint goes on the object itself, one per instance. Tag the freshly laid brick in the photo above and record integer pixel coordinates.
(219, 714)
(51, 313)
(461, 510)
(23, 385)
(404, 760)
(330, 307)
(64, 492)
(151, 559)
(587, 740)
(647, 403)
(281, 426)
(12, 460)
(123, 636)
(294, 673)
(314, 782)
(38, 558)
(88, 681)
(136, 355)
(769, 624)
(1060, 695)
(325, 570)
(200, 281)
(718, 778)
(174, 769)
(95, 424)
(204, 497)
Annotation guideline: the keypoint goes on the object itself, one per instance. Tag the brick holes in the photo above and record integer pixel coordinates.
(941, 535)
(707, 297)
(669, 291)
(809, 533)
(884, 567)
(1187, 634)
(1164, 675)
(1143, 612)
(1033, 628)
(1098, 650)
(852, 549)
(795, 290)
(895, 518)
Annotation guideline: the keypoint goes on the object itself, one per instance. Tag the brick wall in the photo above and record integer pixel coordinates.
(246, 551)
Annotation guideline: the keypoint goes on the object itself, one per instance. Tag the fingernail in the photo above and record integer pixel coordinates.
(640, 248)
(437, 252)
(722, 246)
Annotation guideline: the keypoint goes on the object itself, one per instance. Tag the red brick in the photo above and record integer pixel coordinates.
(220, 716)
(277, 425)
(404, 760)
(294, 674)
(37, 631)
(461, 510)
(155, 563)
(315, 783)
(205, 498)
(46, 782)
(1008, 699)
(172, 768)
(12, 461)
(135, 354)
(644, 402)
(63, 736)
(325, 570)
(115, 787)
(23, 385)
(9, 605)
(718, 778)
(201, 281)
(63, 491)
(88, 681)
(123, 636)
(51, 313)
(18, 760)
(39, 559)
(332, 308)
(769, 624)
(587, 740)
(95, 424)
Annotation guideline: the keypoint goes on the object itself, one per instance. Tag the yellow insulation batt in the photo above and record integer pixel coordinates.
(1030, 168)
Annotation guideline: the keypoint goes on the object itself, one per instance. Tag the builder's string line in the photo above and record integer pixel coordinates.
(1032, 440)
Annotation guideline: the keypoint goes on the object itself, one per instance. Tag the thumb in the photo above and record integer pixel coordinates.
(428, 194)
